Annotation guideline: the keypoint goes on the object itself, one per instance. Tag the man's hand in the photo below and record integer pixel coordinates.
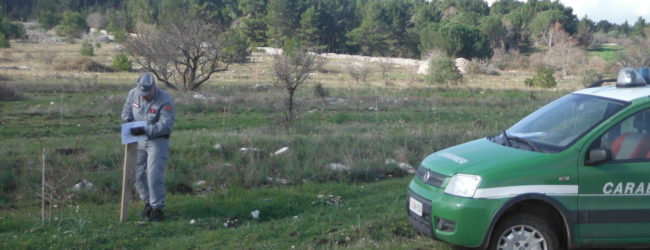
(137, 131)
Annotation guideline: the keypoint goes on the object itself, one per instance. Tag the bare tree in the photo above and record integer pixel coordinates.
(636, 55)
(550, 36)
(359, 71)
(385, 67)
(566, 55)
(96, 20)
(183, 55)
(291, 69)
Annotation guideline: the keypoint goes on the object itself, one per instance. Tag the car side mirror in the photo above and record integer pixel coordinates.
(598, 155)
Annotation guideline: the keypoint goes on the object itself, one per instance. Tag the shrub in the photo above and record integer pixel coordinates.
(589, 76)
(48, 56)
(87, 49)
(479, 66)
(510, 59)
(320, 91)
(12, 30)
(443, 70)
(120, 35)
(4, 41)
(4, 78)
(84, 64)
(636, 55)
(8, 94)
(121, 63)
(544, 78)
(8, 177)
(358, 71)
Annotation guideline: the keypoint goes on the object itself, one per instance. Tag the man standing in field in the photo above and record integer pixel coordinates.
(147, 103)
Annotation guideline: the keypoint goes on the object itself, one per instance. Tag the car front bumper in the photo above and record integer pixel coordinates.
(457, 220)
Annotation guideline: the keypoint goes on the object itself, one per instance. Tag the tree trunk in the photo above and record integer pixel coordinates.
(290, 107)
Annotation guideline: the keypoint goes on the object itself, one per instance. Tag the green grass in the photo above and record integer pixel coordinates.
(609, 53)
(367, 215)
(75, 125)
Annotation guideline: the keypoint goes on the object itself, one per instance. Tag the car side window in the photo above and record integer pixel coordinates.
(630, 139)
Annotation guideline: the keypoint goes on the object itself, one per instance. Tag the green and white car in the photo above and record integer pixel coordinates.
(575, 173)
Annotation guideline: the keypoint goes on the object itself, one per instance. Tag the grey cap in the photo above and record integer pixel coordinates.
(145, 84)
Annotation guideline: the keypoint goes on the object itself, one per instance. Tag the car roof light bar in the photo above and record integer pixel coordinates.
(629, 77)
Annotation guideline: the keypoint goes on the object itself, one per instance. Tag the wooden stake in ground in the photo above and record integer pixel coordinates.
(130, 158)
(43, 190)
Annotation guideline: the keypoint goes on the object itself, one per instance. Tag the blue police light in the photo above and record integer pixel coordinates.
(629, 77)
(645, 73)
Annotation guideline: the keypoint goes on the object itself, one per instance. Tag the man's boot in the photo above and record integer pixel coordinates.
(147, 210)
(156, 215)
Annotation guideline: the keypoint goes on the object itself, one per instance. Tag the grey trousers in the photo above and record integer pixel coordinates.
(149, 171)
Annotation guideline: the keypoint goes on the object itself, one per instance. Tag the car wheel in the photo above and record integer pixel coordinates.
(522, 232)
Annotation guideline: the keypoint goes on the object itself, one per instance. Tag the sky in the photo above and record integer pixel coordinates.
(614, 11)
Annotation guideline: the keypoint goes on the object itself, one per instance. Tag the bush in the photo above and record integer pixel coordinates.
(12, 30)
(121, 63)
(47, 56)
(590, 76)
(120, 35)
(320, 91)
(4, 41)
(544, 78)
(479, 66)
(87, 49)
(8, 177)
(511, 59)
(636, 55)
(358, 71)
(83, 64)
(443, 70)
(8, 94)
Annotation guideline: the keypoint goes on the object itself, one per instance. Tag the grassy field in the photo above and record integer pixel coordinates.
(609, 53)
(72, 118)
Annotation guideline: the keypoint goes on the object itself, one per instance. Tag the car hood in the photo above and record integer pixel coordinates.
(476, 157)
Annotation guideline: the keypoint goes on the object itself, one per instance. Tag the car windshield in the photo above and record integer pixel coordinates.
(559, 124)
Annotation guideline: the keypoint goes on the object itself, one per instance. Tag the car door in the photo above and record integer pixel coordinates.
(614, 195)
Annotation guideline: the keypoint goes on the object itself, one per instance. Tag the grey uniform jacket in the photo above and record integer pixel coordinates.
(159, 113)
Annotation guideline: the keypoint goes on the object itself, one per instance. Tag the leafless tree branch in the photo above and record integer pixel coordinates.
(182, 54)
(291, 70)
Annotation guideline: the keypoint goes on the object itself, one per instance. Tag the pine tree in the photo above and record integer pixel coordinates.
(310, 27)
(283, 20)
(383, 31)
(639, 27)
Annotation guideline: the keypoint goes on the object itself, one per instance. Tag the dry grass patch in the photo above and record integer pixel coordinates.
(83, 64)
(7, 93)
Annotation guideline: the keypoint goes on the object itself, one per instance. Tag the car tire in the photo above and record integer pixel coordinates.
(524, 231)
